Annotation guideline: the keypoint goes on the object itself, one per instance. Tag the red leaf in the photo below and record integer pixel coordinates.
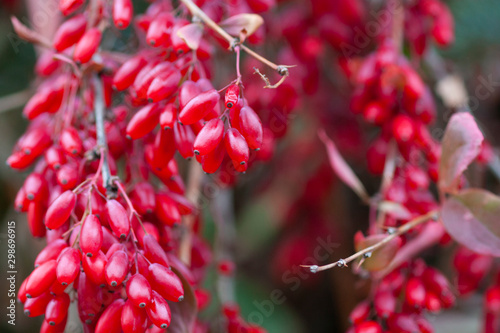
(471, 218)
(461, 144)
(341, 168)
(191, 34)
(381, 257)
(242, 23)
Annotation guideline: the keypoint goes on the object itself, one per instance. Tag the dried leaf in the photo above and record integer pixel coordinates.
(245, 24)
(183, 313)
(461, 144)
(341, 168)
(26, 33)
(471, 218)
(191, 34)
(395, 209)
(381, 257)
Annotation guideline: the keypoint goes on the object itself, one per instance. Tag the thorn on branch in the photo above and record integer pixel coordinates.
(281, 69)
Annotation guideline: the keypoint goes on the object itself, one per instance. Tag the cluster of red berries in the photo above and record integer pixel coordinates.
(112, 245)
(401, 299)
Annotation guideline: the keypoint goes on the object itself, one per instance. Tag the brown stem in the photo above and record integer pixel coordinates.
(192, 194)
(99, 109)
(196, 11)
(398, 23)
(398, 232)
(14, 101)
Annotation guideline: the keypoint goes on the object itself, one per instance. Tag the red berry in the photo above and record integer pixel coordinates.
(91, 236)
(87, 46)
(232, 95)
(166, 283)
(198, 107)
(41, 279)
(60, 210)
(236, 146)
(139, 290)
(159, 311)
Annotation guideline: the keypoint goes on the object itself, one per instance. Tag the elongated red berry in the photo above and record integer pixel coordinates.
(91, 236)
(153, 251)
(236, 146)
(167, 210)
(184, 140)
(209, 137)
(166, 282)
(159, 30)
(144, 79)
(251, 127)
(69, 32)
(187, 92)
(68, 7)
(60, 210)
(164, 85)
(117, 218)
(57, 309)
(198, 107)
(95, 267)
(139, 290)
(232, 95)
(87, 46)
(168, 117)
(117, 268)
(41, 279)
(122, 13)
(143, 122)
(110, 320)
(70, 142)
(212, 161)
(35, 306)
(51, 251)
(36, 211)
(54, 158)
(159, 311)
(126, 74)
(133, 318)
(415, 292)
(68, 265)
(143, 198)
(36, 187)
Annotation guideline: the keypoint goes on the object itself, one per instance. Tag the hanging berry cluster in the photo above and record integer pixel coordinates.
(113, 242)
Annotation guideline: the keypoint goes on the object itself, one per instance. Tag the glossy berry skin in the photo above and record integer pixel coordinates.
(198, 107)
(51, 251)
(57, 309)
(110, 320)
(68, 265)
(166, 283)
(41, 279)
(232, 95)
(116, 268)
(70, 142)
(133, 319)
(68, 7)
(122, 13)
(368, 327)
(139, 291)
(87, 46)
(126, 74)
(35, 306)
(251, 127)
(143, 122)
(91, 236)
(209, 137)
(95, 268)
(60, 210)
(236, 146)
(69, 32)
(159, 311)
(212, 161)
(117, 218)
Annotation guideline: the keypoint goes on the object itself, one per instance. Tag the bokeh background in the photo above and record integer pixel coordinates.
(285, 209)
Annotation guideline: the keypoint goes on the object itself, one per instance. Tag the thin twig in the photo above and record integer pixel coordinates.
(233, 42)
(398, 232)
(99, 109)
(192, 194)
